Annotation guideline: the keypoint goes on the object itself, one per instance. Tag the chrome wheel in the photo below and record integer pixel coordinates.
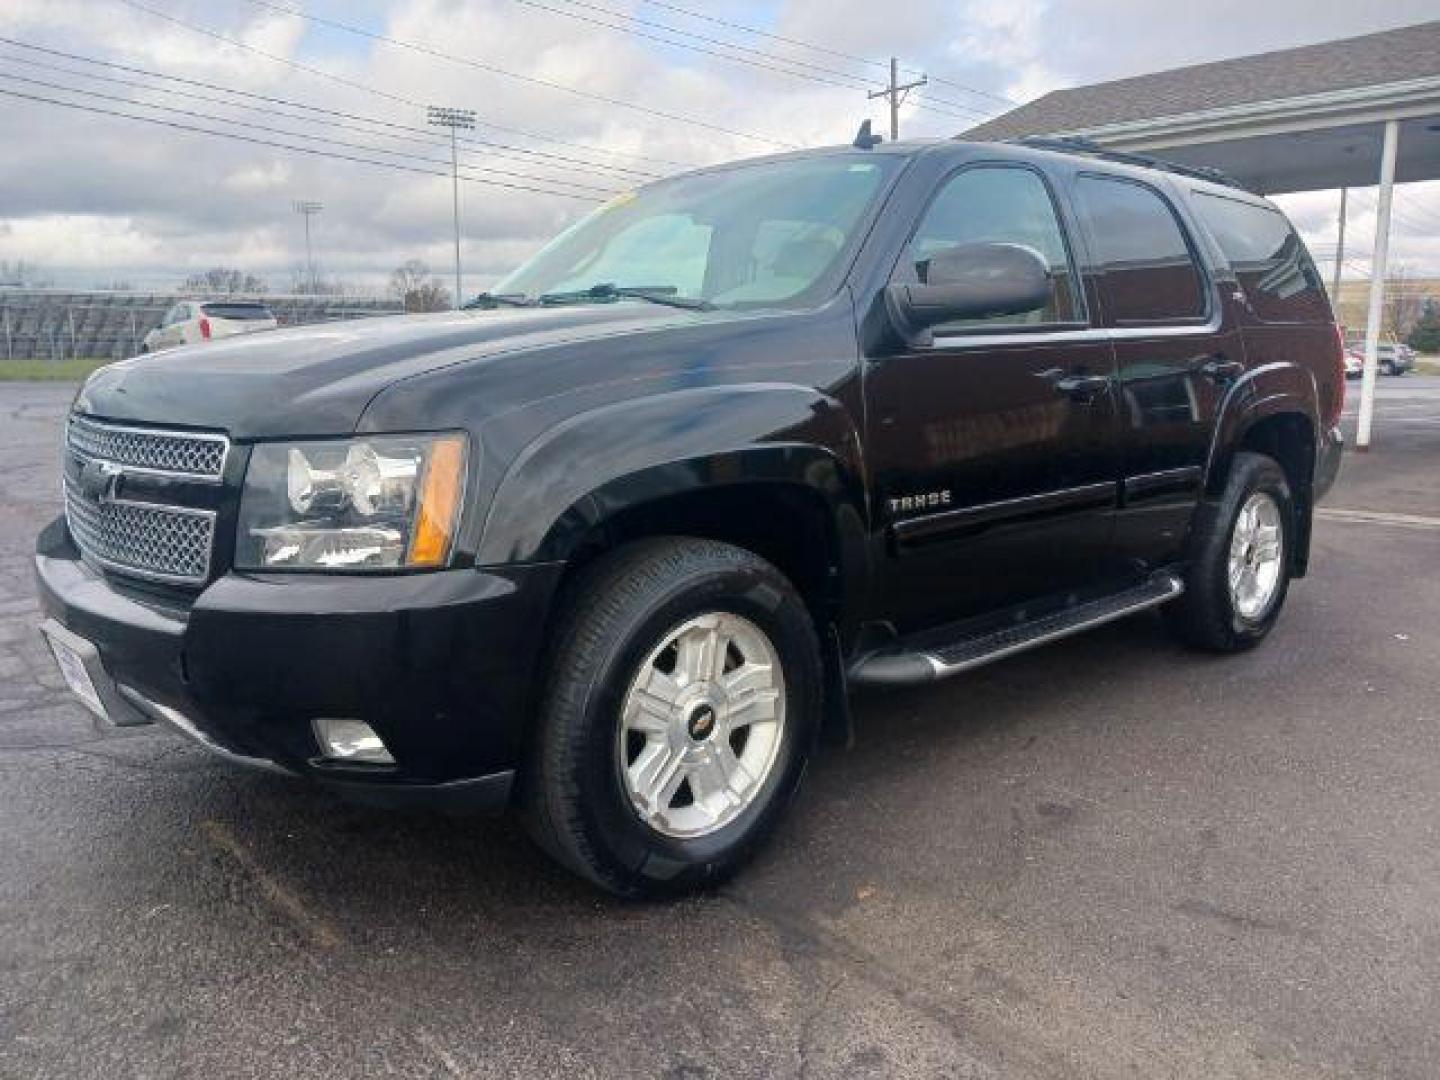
(701, 725)
(1257, 551)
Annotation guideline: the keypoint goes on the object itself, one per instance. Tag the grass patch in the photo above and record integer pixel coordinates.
(47, 370)
(1427, 365)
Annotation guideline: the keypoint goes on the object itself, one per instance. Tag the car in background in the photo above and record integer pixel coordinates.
(1394, 359)
(192, 321)
(1391, 357)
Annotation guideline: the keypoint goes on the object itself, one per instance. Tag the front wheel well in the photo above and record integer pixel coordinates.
(792, 527)
(788, 525)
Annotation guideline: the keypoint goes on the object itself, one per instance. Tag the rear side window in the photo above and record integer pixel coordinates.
(1274, 269)
(1148, 273)
(238, 312)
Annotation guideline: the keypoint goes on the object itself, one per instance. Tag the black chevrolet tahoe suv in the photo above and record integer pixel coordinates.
(611, 545)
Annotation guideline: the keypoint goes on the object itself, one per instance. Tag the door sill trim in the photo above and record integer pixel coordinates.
(905, 665)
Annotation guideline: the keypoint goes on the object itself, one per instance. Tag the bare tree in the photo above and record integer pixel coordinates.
(302, 284)
(224, 279)
(419, 289)
(1403, 304)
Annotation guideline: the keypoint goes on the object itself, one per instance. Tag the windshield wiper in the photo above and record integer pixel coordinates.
(488, 301)
(605, 290)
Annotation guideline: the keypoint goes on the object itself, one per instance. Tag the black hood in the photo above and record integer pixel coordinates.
(317, 380)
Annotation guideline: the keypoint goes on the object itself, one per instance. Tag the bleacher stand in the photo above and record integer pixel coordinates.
(57, 324)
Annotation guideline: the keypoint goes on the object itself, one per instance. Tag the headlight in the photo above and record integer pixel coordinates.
(378, 503)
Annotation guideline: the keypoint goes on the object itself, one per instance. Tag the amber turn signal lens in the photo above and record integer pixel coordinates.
(439, 508)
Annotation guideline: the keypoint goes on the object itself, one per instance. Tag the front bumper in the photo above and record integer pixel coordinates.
(439, 664)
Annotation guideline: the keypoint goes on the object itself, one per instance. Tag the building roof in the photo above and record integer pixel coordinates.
(1393, 56)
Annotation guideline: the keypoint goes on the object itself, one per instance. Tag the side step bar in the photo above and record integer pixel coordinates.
(930, 656)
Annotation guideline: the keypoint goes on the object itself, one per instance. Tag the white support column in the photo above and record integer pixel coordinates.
(1379, 267)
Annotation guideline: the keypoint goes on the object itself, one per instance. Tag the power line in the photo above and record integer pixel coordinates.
(313, 151)
(1396, 214)
(367, 88)
(495, 69)
(1011, 102)
(716, 20)
(832, 72)
(943, 107)
(269, 130)
(825, 49)
(827, 76)
(271, 102)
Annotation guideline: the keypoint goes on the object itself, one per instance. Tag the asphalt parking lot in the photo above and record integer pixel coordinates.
(1110, 858)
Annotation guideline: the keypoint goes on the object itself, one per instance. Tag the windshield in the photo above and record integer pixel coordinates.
(764, 234)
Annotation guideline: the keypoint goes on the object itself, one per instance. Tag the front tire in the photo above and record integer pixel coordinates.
(1240, 572)
(683, 698)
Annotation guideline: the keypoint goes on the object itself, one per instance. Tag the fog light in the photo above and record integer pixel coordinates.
(350, 740)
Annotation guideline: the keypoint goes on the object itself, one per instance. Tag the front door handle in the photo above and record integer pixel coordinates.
(1222, 370)
(1082, 387)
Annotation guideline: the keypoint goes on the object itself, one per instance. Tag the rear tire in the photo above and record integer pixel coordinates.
(1247, 534)
(677, 661)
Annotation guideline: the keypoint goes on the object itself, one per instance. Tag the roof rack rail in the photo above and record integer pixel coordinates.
(1072, 144)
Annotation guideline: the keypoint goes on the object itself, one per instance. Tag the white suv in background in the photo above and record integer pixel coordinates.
(203, 320)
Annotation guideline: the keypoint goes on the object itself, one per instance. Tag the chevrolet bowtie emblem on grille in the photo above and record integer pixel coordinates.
(100, 480)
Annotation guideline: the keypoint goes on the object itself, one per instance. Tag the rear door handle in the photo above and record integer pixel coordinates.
(1222, 370)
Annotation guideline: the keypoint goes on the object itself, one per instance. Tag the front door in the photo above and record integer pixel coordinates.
(994, 449)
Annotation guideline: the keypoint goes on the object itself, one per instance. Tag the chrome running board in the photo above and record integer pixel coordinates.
(936, 654)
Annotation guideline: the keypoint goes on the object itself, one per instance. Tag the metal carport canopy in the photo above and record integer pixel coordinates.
(1357, 112)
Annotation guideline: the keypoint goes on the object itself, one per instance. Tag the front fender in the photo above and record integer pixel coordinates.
(601, 462)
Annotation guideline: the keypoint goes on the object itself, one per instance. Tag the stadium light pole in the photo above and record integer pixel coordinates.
(306, 208)
(454, 119)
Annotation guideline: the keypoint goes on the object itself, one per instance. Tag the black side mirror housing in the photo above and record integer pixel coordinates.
(969, 281)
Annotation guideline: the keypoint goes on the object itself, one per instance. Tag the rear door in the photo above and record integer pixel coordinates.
(993, 448)
(1177, 350)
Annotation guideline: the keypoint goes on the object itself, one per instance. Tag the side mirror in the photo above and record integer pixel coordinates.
(970, 281)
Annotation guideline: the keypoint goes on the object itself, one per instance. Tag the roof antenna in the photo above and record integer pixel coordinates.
(865, 139)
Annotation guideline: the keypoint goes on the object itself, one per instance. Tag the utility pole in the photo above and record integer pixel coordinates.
(454, 119)
(897, 93)
(306, 208)
(1339, 255)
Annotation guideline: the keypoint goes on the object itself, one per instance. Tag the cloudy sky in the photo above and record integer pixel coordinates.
(94, 198)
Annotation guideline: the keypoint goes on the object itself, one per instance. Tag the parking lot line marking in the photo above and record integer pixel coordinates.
(1378, 517)
(275, 894)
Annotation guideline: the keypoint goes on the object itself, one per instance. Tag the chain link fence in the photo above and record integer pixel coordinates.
(57, 325)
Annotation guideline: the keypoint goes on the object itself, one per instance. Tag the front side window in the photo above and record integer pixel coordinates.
(771, 233)
(1004, 205)
(1148, 273)
(1268, 258)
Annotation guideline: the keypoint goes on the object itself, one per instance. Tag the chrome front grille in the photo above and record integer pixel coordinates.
(129, 533)
(176, 453)
(166, 543)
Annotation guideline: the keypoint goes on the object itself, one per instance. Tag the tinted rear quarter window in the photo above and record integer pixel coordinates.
(1148, 273)
(1268, 258)
(238, 312)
